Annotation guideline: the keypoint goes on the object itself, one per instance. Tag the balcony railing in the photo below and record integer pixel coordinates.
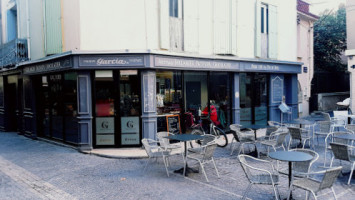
(13, 52)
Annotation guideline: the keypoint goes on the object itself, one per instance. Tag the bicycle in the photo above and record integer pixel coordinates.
(221, 137)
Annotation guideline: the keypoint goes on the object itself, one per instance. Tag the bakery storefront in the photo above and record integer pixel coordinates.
(115, 100)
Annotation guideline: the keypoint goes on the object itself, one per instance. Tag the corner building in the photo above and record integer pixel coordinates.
(99, 76)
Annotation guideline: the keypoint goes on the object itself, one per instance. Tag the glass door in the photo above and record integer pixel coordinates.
(104, 109)
(130, 107)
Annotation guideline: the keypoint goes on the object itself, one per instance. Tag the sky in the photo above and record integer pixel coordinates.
(318, 6)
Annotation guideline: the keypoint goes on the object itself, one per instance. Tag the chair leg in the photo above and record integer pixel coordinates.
(314, 195)
(232, 148)
(166, 165)
(247, 190)
(215, 166)
(276, 194)
(289, 144)
(331, 162)
(351, 172)
(203, 170)
(335, 197)
(146, 164)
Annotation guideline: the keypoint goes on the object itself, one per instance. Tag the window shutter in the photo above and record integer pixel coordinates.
(222, 27)
(53, 27)
(191, 26)
(257, 29)
(164, 24)
(273, 42)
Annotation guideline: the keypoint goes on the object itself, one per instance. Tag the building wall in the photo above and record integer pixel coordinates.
(305, 55)
(70, 25)
(350, 29)
(36, 29)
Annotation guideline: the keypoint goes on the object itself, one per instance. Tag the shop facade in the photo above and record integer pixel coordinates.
(115, 100)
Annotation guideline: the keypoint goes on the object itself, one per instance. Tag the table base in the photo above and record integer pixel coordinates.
(189, 170)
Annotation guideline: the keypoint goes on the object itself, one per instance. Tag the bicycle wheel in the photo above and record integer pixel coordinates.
(221, 137)
(196, 143)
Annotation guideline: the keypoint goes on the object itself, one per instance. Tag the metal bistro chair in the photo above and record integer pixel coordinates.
(207, 139)
(266, 175)
(154, 151)
(203, 157)
(330, 138)
(343, 152)
(324, 129)
(270, 131)
(315, 186)
(299, 134)
(243, 137)
(276, 141)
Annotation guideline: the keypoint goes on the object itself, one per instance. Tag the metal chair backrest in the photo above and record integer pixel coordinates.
(270, 130)
(326, 116)
(329, 177)
(295, 133)
(305, 166)
(350, 128)
(208, 138)
(148, 143)
(340, 151)
(281, 138)
(164, 142)
(340, 140)
(324, 126)
(209, 151)
(245, 167)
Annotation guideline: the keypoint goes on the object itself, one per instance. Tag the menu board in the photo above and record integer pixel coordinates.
(277, 88)
(173, 123)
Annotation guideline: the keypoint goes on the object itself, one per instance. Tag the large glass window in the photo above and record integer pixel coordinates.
(56, 95)
(196, 93)
(70, 107)
(219, 91)
(253, 98)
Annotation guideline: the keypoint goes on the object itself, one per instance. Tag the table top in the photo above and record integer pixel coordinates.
(301, 121)
(255, 126)
(185, 137)
(345, 136)
(290, 156)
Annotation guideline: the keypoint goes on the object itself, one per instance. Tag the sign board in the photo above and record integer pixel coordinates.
(173, 123)
(129, 130)
(284, 108)
(277, 88)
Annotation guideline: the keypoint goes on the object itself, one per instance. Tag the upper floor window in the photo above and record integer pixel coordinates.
(264, 19)
(173, 8)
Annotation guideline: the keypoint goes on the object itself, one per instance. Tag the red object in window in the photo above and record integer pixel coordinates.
(213, 115)
(104, 108)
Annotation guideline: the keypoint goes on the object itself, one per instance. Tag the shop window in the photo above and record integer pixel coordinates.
(219, 92)
(196, 93)
(56, 95)
(70, 107)
(1, 91)
(253, 91)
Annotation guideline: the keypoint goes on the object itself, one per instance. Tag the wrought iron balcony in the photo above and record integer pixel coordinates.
(13, 52)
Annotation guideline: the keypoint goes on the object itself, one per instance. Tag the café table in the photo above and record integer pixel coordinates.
(255, 127)
(290, 156)
(185, 138)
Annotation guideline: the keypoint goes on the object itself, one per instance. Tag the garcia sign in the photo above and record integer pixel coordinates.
(95, 61)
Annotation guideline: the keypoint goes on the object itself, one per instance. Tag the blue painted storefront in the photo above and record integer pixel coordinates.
(282, 82)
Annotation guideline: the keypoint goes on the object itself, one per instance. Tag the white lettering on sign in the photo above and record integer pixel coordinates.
(265, 67)
(174, 62)
(102, 61)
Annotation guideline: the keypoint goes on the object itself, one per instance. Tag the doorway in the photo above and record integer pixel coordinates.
(116, 108)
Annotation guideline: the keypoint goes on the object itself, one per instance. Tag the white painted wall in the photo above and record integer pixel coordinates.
(287, 30)
(246, 28)
(71, 25)
(112, 24)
